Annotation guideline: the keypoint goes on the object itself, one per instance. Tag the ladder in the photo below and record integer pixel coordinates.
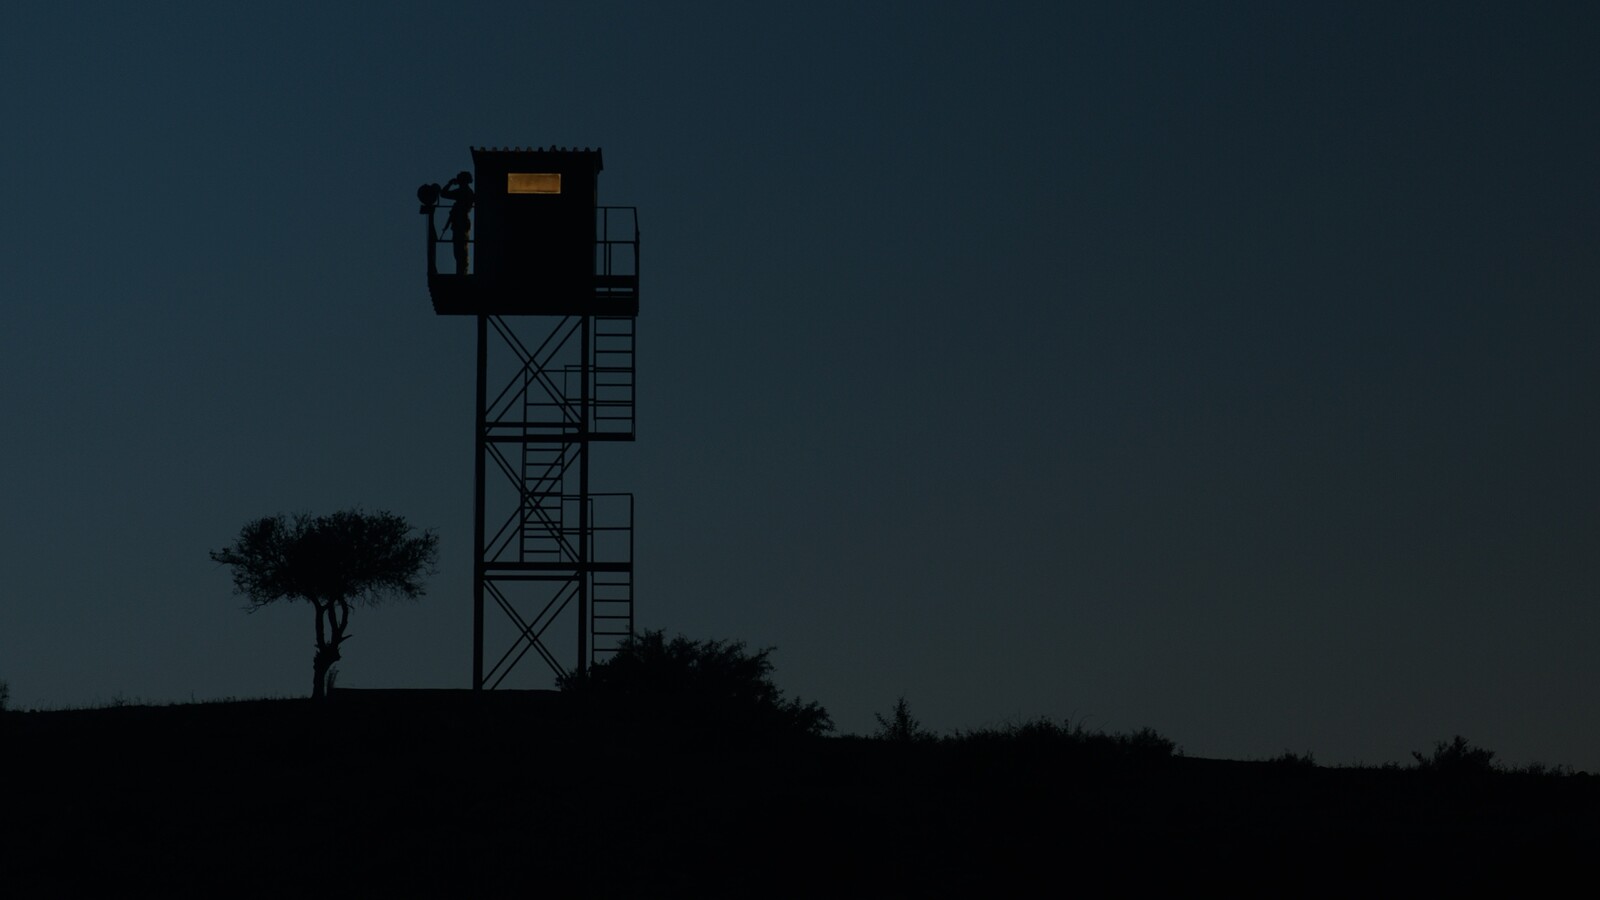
(611, 394)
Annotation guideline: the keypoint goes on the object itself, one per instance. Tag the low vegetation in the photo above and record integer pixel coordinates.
(1459, 757)
(1143, 745)
(1456, 757)
(1293, 760)
(708, 684)
(901, 727)
(1041, 734)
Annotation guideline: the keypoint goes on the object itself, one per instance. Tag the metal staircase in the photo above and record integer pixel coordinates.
(611, 394)
(554, 538)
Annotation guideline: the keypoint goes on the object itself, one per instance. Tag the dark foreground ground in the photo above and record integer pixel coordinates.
(449, 794)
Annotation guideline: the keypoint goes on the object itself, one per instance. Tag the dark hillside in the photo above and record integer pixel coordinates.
(447, 793)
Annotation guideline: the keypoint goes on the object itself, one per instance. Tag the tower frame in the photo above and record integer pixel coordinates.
(555, 341)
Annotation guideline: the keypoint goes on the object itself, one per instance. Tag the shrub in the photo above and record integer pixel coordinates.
(901, 726)
(1542, 770)
(1457, 757)
(1042, 734)
(705, 683)
(1291, 759)
(1147, 743)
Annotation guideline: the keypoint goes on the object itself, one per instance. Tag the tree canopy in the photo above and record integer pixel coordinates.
(344, 559)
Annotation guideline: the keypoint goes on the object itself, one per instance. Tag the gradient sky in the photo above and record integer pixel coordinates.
(1227, 368)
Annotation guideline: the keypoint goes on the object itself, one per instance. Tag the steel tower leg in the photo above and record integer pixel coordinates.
(480, 449)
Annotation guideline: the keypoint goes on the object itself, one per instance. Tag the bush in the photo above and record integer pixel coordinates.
(1293, 760)
(1542, 770)
(5, 695)
(703, 683)
(1457, 757)
(1042, 734)
(901, 727)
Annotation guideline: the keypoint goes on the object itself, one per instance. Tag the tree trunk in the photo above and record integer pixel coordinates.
(319, 673)
(327, 645)
(326, 655)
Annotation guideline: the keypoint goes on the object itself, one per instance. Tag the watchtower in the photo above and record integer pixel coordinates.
(552, 279)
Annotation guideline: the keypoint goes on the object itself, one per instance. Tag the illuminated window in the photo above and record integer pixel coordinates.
(533, 183)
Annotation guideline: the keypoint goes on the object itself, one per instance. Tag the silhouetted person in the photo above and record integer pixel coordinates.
(460, 221)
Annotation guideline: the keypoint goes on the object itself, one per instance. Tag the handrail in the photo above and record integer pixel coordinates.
(616, 243)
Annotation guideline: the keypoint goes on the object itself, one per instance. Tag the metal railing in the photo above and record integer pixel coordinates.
(616, 245)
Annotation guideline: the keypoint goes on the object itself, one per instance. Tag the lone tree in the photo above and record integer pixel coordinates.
(347, 558)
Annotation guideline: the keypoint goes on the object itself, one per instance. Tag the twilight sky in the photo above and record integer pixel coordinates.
(1227, 368)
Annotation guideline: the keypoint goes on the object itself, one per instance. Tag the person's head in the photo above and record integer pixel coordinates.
(464, 178)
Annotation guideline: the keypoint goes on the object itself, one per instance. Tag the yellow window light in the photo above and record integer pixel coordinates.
(533, 183)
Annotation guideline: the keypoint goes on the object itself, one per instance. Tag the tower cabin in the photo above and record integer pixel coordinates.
(538, 242)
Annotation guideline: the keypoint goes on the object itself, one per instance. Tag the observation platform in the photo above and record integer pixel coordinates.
(470, 295)
(540, 278)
